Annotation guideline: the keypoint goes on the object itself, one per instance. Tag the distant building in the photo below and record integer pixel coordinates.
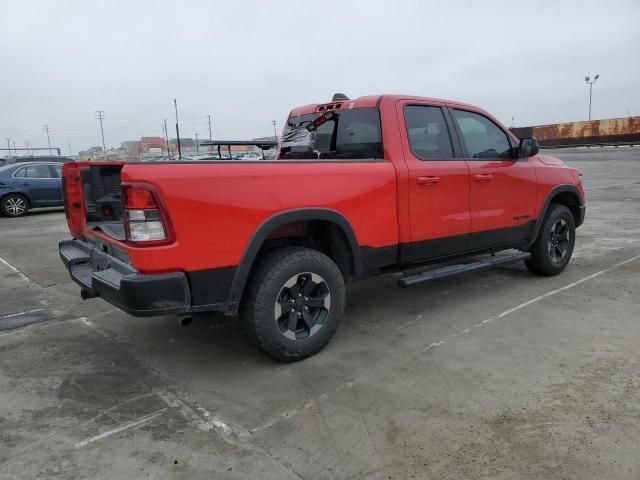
(184, 142)
(152, 142)
(131, 146)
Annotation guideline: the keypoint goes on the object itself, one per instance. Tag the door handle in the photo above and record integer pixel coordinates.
(483, 177)
(26, 184)
(428, 180)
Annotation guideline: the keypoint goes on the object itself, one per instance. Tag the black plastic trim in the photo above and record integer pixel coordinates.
(376, 259)
(101, 275)
(451, 270)
(471, 243)
(547, 201)
(269, 225)
(507, 235)
(210, 288)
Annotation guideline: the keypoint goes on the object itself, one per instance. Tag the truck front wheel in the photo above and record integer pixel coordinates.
(552, 250)
(295, 299)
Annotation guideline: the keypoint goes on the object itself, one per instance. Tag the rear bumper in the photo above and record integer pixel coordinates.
(101, 275)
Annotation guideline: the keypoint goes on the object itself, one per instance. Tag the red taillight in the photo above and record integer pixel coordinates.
(137, 198)
(72, 194)
(143, 218)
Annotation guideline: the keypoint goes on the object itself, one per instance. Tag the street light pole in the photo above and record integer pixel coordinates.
(275, 132)
(590, 83)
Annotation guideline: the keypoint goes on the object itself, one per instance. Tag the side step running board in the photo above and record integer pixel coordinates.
(451, 270)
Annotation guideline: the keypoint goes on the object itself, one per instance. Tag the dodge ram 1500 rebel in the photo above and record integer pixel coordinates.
(360, 187)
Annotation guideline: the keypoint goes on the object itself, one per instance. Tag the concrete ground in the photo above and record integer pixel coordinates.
(498, 374)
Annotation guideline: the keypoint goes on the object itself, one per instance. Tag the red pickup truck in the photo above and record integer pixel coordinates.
(358, 188)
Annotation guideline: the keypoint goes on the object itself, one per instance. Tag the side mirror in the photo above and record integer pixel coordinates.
(528, 147)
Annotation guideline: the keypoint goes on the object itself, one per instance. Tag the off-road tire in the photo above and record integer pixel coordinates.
(9, 205)
(258, 310)
(541, 261)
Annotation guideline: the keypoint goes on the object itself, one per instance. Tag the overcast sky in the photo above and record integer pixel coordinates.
(249, 62)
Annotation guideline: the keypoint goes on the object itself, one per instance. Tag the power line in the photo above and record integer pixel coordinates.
(175, 104)
(166, 138)
(100, 116)
(210, 134)
(46, 129)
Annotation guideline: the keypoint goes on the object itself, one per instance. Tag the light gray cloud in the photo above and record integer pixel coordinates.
(248, 62)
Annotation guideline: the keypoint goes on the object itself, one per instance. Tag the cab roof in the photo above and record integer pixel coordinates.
(373, 101)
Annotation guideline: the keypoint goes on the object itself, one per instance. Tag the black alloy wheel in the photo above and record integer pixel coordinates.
(559, 238)
(302, 306)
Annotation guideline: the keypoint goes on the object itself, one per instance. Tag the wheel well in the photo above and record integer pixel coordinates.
(571, 201)
(322, 235)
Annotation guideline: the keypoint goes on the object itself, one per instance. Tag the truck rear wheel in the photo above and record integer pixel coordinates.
(552, 250)
(293, 304)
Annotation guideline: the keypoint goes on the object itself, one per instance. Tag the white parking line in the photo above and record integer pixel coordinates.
(566, 287)
(291, 413)
(23, 313)
(122, 428)
(532, 301)
(16, 270)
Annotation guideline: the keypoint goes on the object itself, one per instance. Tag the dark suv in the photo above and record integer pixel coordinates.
(29, 185)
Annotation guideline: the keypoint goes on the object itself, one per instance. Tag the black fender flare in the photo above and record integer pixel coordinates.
(269, 225)
(545, 206)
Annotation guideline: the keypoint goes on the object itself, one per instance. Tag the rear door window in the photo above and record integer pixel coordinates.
(428, 133)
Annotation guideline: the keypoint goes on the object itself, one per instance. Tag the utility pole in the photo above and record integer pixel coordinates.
(197, 146)
(210, 134)
(69, 145)
(590, 83)
(27, 146)
(46, 129)
(166, 138)
(15, 150)
(9, 144)
(175, 104)
(100, 116)
(275, 132)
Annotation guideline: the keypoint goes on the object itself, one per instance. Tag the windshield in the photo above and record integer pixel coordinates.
(353, 133)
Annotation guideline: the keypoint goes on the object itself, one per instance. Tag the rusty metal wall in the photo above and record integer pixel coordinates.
(594, 132)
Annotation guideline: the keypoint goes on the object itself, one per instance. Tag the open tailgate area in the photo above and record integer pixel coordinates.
(93, 198)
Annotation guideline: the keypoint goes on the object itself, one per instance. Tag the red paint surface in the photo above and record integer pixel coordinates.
(215, 208)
